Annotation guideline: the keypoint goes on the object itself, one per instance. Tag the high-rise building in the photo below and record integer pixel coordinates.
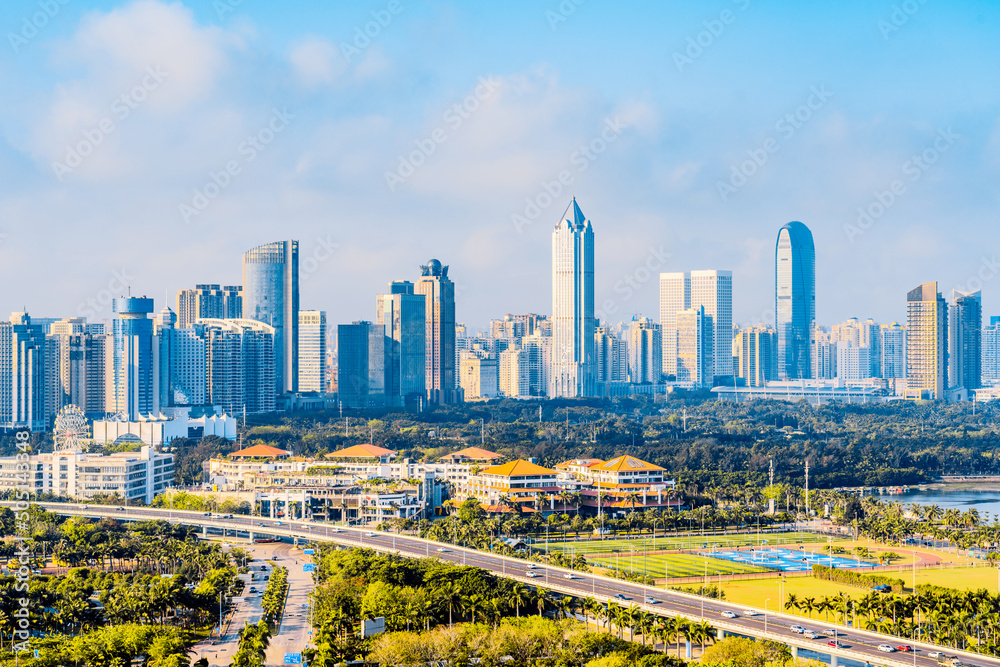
(312, 351)
(239, 364)
(573, 364)
(538, 349)
(824, 355)
(892, 346)
(991, 351)
(512, 368)
(675, 296)
(403, 313)
(853, 362)
(713, 290)
(479, 376)
(181, 363)
(131, 373)
(22, 374)
(691, 344)
(965, 346)
(755, 355)
(519, 326)
(271, 296)
(926, 343)
(645, 351)
(361, 364)
(215, 301)
(439, 357)
(612, 356)
(794, 299)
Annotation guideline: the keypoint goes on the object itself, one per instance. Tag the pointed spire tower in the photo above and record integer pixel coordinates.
(573, 368)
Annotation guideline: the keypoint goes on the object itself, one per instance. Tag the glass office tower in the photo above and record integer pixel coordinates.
(795, 300)
(132, 358)
(271, 296)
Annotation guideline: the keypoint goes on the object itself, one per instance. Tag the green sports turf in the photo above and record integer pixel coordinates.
(674, 565)
(670, 543)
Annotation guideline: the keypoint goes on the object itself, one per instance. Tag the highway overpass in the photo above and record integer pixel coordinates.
(859, 646)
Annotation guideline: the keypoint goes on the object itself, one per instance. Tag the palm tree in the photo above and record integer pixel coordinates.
(518, 595)
(792, 602)
(541, 599)
(448, 596)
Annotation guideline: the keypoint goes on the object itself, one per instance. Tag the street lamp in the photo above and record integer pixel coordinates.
(765, 614)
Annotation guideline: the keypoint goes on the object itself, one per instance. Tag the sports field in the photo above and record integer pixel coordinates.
(672, 543)
(674, 565)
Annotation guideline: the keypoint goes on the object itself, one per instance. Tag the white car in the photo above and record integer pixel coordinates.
(530, 566)
(811, 634)
(531, 573)
(443, 550)
(650, 600)
(935, 654)
(370, 535)
(336, 530)
(751, 613)
(885, 648)
(797, 629)
(569, 575)
(730, 614)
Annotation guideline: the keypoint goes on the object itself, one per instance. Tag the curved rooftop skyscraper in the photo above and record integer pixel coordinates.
(795, 300)
(271, 296)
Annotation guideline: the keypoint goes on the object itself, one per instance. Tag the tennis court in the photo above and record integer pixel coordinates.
(787, 560)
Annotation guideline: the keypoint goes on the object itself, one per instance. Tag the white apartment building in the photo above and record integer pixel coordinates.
(132, 475)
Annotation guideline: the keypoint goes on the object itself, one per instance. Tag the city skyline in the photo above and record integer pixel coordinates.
(842, 134)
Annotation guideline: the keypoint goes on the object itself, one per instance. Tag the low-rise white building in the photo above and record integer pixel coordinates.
(138, 475)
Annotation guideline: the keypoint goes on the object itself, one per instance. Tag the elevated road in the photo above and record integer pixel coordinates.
(856, 645)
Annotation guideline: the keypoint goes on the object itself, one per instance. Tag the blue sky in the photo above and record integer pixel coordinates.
(690, 108)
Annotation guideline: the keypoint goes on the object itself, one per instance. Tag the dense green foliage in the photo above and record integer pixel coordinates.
(272, 602)
(857, 578)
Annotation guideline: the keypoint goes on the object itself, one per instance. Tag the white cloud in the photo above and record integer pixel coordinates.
(316, 62)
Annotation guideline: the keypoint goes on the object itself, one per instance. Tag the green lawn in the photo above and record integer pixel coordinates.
(674, 565)
(677, 543)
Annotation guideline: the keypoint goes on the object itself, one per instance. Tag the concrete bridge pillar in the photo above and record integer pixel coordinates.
(833, 661)
(687, 649)
(795, 653)
(721, 634)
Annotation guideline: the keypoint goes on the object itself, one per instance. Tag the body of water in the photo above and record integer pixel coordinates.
(987, 502)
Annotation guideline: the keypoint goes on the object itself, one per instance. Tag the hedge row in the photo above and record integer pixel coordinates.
(856, 578)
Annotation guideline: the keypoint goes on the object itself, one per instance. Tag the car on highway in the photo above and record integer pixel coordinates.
(253, 589)
(278, 523)
(835, 644)
(905, 648)
(750, 613)
(119, 509)
(935, 654)
(730, 614)
(530, 566)
(811, 634)
(569, 575)
(531, 574)
(441, 549)
(263, 568)
(651, 600)
(885, 648)
(619, 596)
(371, 534)
(797, 629)
(336, 530)
(85, 507)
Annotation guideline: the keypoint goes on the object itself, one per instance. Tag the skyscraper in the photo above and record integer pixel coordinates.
(22, 374)
(573, 364)
(926, 343)
(361, 364)
(181, 363)
(794, 299)
(612, 357)
(439, 357)
(271, 296)
(755, 353)
(312, 351)
(965, 320)
(713, 290)
(403, 313)
(991, 351)
(691, 346)
(239, 364)
(892, 346)
(675, 296)
(130, 366)
(645, 351)
(216, 301)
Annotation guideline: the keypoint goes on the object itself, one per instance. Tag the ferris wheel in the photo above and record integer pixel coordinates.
(71, 429)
